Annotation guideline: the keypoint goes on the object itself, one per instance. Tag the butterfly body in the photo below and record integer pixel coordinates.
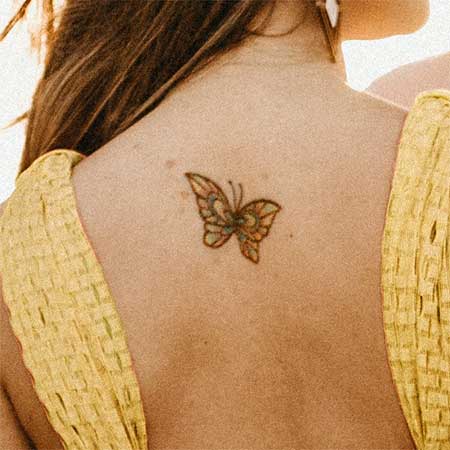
(251, 223)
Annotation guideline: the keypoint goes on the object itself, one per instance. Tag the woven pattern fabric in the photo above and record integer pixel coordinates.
(416, 271)
(62, 312)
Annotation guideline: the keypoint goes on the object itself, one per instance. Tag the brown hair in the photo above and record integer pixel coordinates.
(110, 62)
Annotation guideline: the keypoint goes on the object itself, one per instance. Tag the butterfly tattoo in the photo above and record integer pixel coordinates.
(251, 223)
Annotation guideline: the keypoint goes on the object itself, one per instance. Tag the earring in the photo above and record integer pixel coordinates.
(331, 20)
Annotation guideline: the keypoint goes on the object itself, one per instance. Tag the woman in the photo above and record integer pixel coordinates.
(269, 342)
(403, 84)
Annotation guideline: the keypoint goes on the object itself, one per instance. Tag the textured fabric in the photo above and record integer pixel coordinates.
(74, 344)
(416, 271)
(63, 314)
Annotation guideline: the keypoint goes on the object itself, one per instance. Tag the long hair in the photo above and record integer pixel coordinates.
(110, 62)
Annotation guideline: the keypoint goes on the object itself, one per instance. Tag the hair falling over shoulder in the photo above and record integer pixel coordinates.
(110, 62)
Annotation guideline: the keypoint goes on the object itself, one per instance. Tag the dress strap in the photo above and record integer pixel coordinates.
(416, 271)
(63, 314)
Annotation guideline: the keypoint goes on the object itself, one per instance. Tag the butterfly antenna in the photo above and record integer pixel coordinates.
(234, 194)
(240, 196)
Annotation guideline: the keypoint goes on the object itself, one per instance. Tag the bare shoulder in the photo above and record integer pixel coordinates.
(404, 83)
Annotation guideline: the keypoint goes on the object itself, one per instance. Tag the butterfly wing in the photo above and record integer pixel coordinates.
(214, 209)
(256, 219)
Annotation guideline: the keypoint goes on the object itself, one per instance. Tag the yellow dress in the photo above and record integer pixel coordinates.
(72, 338)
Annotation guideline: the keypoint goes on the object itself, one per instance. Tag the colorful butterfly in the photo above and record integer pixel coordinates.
(251, 223)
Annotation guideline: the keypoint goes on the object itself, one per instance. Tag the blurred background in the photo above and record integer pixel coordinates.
(19, 71)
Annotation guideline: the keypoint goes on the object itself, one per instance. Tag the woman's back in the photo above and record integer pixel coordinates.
(286, 353)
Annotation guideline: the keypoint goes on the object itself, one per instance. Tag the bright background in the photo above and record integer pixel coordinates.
(365, 61)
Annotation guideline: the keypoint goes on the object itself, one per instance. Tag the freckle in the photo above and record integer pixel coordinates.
(265, 176)
(184, 194)
(291, 235)
(170, 163)
(205, 342)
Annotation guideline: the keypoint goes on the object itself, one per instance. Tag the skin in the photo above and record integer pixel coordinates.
(360, 19)
(402, 85)
(198, 355)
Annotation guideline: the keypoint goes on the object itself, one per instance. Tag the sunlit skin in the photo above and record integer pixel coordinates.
(359, 20)
(402, 85)
(378, 19)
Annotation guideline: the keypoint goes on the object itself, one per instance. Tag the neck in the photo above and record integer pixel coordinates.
(306, 45)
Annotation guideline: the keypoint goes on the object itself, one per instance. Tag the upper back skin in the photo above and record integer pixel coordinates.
(286, 353)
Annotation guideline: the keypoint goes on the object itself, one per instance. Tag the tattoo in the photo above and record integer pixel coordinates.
(251, 223)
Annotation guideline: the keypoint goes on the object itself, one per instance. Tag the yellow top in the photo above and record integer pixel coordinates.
(73, 341)
(62, 312)
(416, 271)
